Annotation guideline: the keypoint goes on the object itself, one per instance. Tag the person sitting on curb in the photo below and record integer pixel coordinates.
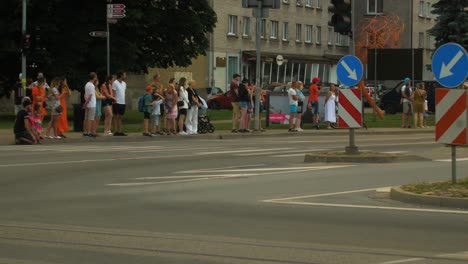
(23, 132)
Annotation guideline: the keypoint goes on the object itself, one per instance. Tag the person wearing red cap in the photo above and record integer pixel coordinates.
(147, 111)
(313, 103)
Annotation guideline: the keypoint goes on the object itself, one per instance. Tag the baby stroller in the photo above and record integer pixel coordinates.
(204, 123)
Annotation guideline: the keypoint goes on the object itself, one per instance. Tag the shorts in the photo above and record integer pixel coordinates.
(407, 108)
(183, 111)
(315, 108)
(300, 106)
(107, 102)
(90, 114)
(24, 135)
(243, 104)
(146, 115)
(235, 108)
(292, 108)
(54, 112)
(118, 109)
(155, 120)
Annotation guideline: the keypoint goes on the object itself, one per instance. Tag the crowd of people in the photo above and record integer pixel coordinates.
(175, 106)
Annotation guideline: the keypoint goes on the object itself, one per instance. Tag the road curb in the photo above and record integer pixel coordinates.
(8, 139)
(399, 194)
(363, 157)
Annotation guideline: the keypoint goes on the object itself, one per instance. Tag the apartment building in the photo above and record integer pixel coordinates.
(299, 32)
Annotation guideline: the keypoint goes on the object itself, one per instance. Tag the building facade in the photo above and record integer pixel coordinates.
(299, 32)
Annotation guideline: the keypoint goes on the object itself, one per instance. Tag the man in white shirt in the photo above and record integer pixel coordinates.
(119, 87)
(293, 102)
(90, 105)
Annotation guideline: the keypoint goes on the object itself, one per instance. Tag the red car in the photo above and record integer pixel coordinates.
(223, 101)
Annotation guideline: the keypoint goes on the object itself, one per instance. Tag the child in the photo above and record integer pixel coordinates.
(36, 120)
(426, 113)
(156, 114)
(147, 110)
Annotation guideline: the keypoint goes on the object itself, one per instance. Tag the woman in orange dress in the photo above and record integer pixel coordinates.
(39, 96)
(62, 125)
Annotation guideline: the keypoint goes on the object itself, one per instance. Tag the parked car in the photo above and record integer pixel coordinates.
(208, 92)
(390, 101)
(220, 101)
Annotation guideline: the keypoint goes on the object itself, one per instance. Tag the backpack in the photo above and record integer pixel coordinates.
(141, 104)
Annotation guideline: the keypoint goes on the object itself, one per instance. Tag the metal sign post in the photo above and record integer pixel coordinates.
(114, 12)
(23, 52)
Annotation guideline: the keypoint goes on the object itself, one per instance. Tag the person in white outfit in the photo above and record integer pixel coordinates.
(191, 123)
(183, 104)
(330, 107)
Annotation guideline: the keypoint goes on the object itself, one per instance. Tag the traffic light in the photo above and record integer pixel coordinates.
(26, 42)
(341, 18)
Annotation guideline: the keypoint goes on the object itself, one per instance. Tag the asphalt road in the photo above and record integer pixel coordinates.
(202, 200)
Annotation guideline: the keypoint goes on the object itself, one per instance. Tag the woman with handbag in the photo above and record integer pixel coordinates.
(419, 96)
(183, 104)
(57, 109)
(62, 123)
(192, 114)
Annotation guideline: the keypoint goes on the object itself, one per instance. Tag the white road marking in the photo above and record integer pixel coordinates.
(130, 184)
(395, 152)
(173, 149)
(241, 151)
(449, 160)
(264, 169)
(458, 255)
(289, 200)
(320, 195)
(402, 261)
(288, 155)
(304, 151)
(197, 176)
(54, 163)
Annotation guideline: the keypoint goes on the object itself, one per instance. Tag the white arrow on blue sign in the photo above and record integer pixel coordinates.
(450, 65)
(349, 70)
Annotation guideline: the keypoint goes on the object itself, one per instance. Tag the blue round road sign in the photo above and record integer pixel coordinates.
(349, 70)
(450, 65)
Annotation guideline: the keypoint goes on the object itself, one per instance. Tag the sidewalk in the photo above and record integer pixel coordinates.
(7, 138)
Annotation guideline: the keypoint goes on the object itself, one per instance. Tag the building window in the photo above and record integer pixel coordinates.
(286, 2)
(421, 8)
(298, 32)
(374, 6)
(299, 2)
(318, 37)
(274, 29)
(428, 10)
(319, 4)
(330, 36)
(263, 28)
(232, 26)
(285, 31)
(421, 40)
(308, 3)
(246, 31)
(342, 40)
(308, 34)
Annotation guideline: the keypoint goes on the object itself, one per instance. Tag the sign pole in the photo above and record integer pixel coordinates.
(23, 53)
(258, 90)
(352, 148)
(454, 164)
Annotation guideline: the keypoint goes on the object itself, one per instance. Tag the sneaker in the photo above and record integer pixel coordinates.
(91, 135)
(183, 133)
(154, 134)
(235, 131)
(58, 137)
(124, 134)
(317, 127)
(292, 130)
(116, 134)
(85, 135)
(62, 136)
(299, 129)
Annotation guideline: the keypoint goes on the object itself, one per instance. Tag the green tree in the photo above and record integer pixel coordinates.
(452, 25)
(154, 33)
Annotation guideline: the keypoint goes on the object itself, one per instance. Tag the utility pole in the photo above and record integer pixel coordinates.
(23, 52)
(108, 42)
(352, 148)
(258, 89)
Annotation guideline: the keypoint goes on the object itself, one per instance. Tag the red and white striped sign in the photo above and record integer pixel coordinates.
(350, 108)
(451, 116)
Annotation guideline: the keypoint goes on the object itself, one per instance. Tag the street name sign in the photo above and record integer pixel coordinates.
(450, 65)
(98, 34)
(349, 70)
(116, 11)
